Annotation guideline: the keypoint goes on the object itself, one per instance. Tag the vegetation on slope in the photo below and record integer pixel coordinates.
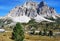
(18, 33)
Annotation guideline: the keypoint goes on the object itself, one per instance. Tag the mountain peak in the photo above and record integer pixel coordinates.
(41, 4)
(32, 9)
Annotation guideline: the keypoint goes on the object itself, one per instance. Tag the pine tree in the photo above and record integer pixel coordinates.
(40, 33)
(18, 33)
(45, 32)
(50, 33)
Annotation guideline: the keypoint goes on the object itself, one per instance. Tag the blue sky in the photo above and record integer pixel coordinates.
(7, 5)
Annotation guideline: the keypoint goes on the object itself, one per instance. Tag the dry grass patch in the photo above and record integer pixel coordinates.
(7, 37)
(40, 38)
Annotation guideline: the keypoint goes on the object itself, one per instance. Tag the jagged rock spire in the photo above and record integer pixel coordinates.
(41, 4)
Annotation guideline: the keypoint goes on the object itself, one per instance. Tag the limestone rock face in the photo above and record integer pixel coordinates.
(32, 10)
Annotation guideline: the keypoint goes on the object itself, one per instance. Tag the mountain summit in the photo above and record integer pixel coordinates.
(32, 10)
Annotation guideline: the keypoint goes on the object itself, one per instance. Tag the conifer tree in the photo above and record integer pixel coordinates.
(18, 33)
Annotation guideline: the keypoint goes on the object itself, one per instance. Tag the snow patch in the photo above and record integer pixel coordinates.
(40, 19)
(21, 19)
